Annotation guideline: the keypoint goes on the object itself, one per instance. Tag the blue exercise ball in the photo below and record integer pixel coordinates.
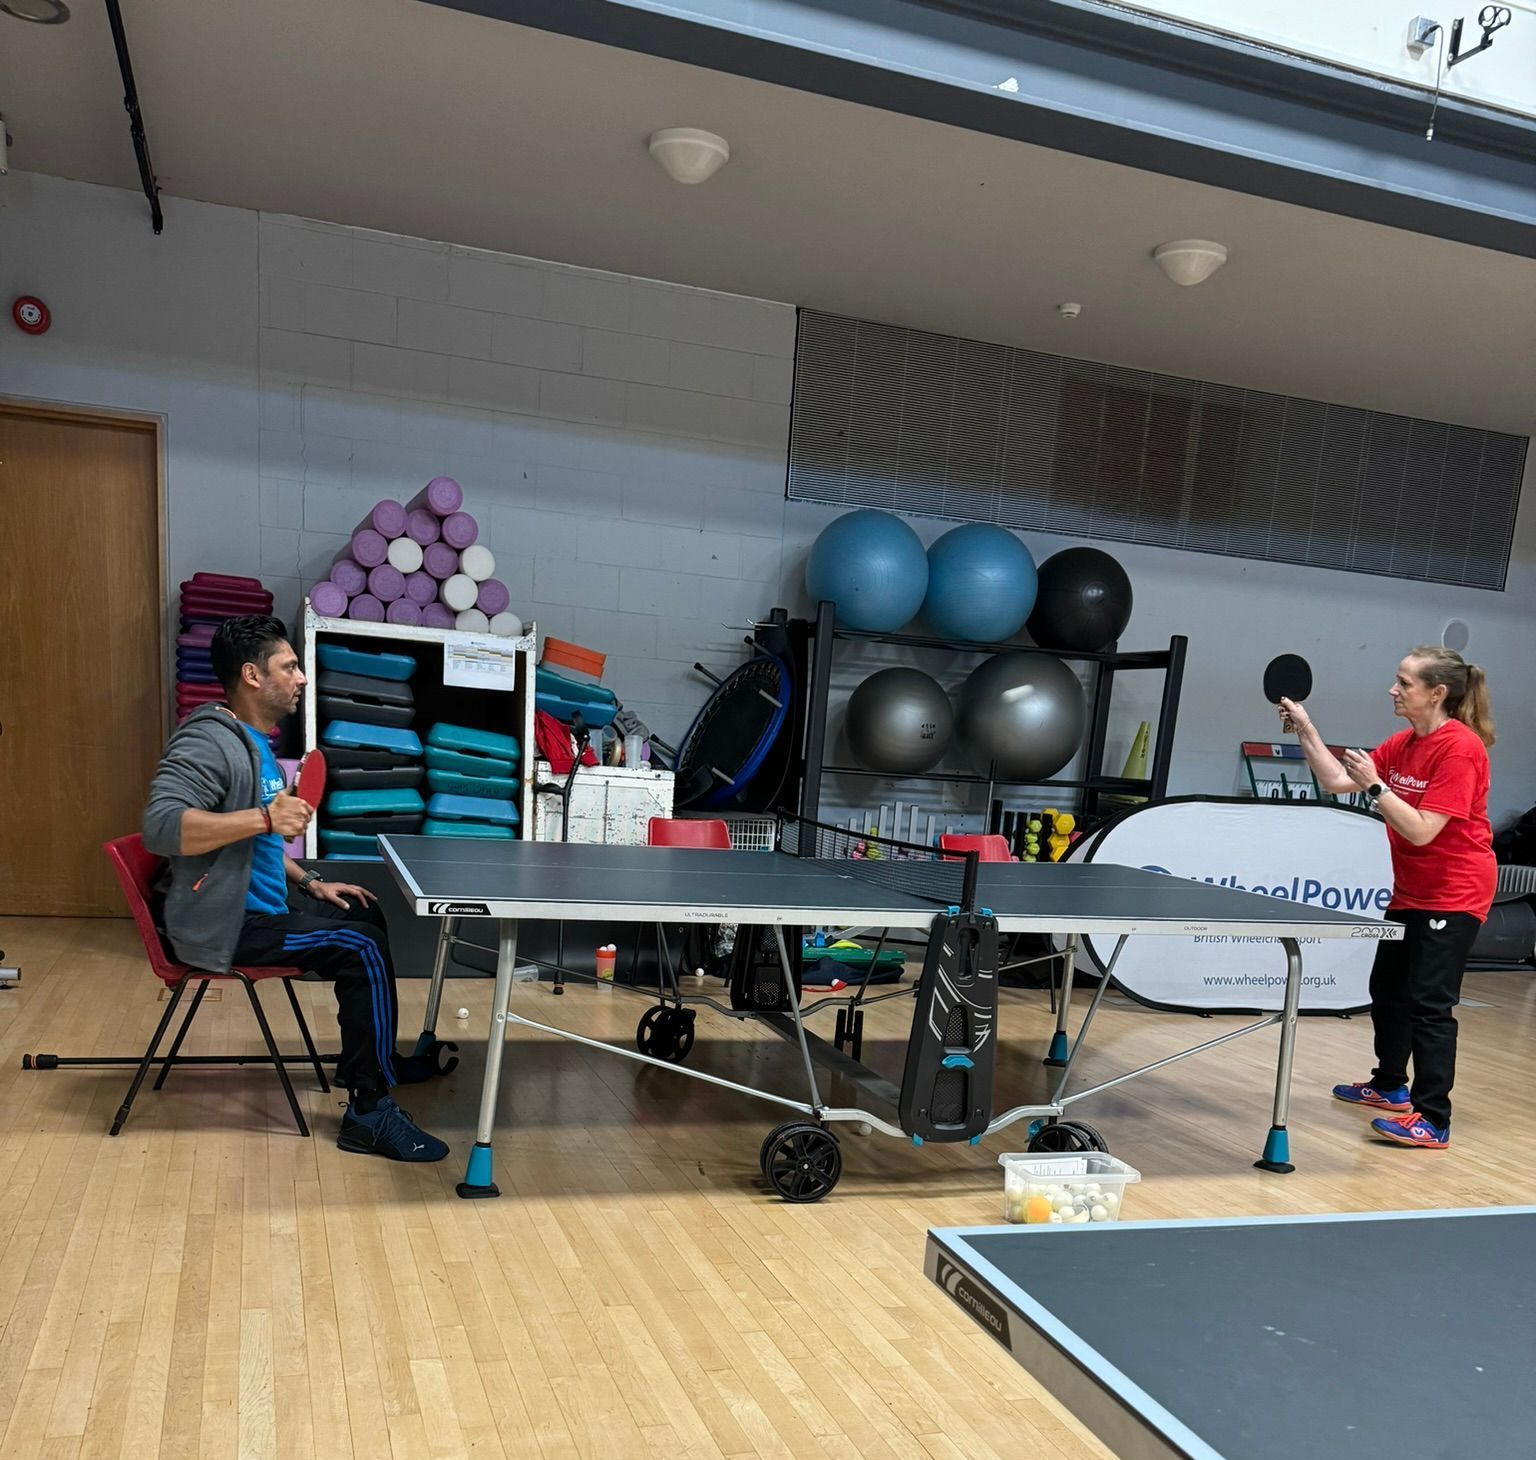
(872, 567)
(981, 584)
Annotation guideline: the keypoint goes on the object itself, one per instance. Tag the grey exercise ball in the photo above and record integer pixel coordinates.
(1024, 711)
(899, 721)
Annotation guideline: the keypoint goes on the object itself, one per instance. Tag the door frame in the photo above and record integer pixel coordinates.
(38, 408)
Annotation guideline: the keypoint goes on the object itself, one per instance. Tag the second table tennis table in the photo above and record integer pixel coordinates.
(452, 879)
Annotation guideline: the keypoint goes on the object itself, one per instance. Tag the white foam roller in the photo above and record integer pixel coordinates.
(478, 561)
(460, 592)
(507, 623)
(405, 554)
(472, 621)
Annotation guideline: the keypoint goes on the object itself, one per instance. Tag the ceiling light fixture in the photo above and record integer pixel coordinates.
(685, 154)
(1190, 260)
(41, 12)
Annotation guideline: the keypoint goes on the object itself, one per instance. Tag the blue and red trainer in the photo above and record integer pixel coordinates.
(1364, 1094)
(1412, 1130)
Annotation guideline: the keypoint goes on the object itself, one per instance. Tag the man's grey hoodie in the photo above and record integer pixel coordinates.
(210, 764)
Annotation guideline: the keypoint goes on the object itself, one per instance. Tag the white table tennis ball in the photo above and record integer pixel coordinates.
(1079, 1218)
(1057, 1219)
(1064, 1208)
(864, 1128)
(1111, 1201)
(463, 1013)
(1099, 1213)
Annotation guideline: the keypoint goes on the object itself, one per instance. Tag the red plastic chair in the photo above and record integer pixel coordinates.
(137, 869)
(709, 836)
(987, 848)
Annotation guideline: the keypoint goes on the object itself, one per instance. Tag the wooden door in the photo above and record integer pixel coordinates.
(81, 707)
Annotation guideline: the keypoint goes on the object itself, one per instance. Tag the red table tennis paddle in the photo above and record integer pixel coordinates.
(309, 779)
(1287, 677)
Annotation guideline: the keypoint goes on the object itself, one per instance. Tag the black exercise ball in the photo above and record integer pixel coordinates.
(1083, 602)
(899, 721)
(1022, 712)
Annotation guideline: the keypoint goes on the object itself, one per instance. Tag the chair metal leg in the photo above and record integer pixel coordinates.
(149, 1054)
(277, 1059)
(309, 1044)
(186, 1024)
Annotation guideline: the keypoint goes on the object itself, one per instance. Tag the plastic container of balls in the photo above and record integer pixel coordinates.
(1065, 1190)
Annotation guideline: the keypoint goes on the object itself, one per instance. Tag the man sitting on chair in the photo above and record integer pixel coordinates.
(218, 809)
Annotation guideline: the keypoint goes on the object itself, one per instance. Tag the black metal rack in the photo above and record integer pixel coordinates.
(816, 674)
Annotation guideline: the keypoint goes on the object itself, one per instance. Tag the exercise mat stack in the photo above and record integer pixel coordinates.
(365, 709)
(419, 563)
(471, 782)
(207, 599)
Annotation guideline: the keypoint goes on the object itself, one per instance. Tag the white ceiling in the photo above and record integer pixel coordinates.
(416, 119)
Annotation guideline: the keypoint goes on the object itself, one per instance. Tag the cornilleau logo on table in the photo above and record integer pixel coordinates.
(458, 910)
(980, 1305)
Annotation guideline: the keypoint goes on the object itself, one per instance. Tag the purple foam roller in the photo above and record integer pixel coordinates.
(437, 616)
(366, 607)
(328, 599)
(440, 560)
(388, 518)
(493, 597)
(420, 588)
(460, 530)
(348, 577)
(422, 526)
(441, 495)
(403, 611)
(369, 548)
(386, 583)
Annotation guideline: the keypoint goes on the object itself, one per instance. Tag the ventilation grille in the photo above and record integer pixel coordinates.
(943, 427)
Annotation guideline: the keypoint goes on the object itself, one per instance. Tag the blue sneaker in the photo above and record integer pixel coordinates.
(388, 1131)
(1378, 1099)
(1412, 1130)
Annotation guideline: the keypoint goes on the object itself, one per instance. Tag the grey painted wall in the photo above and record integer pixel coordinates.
(622, 444)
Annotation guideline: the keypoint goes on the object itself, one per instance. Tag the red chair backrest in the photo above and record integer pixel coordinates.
(136, 870)
(711, 836)
(987, 848)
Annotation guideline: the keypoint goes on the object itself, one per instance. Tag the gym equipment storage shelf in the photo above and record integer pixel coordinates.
(503, 711)
(1090, 789)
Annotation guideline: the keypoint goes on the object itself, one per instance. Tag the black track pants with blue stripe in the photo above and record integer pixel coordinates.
(349, 948)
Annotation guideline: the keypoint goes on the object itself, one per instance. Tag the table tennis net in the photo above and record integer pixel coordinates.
(946, 879)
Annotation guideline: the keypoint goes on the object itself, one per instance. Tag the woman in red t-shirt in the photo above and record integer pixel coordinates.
(1430, 784)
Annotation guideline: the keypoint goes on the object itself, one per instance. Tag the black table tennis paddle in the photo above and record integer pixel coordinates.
(1287, 677)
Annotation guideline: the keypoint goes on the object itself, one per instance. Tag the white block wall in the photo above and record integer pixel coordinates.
(621, 443)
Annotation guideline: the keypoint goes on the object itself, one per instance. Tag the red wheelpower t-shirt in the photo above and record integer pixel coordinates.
(1445, 771)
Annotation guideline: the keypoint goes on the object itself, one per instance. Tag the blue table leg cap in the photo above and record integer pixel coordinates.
(1277, 1151)
(477, 1178)
(1057, 1054)
(424, 1042)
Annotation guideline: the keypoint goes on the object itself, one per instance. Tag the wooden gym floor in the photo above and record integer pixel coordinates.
(209, 1284)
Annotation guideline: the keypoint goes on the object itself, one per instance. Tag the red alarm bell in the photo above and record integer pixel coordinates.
(31, 315)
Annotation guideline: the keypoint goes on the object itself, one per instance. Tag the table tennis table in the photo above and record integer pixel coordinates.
(1268, 1338)
(452, 879)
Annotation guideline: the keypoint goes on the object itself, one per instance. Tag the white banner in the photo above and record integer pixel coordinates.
(1322, 855)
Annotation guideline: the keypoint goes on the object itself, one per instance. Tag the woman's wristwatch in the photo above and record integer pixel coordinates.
(307, 880)
(1375, 792)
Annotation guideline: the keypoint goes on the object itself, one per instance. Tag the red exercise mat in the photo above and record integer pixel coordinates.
(227, 580)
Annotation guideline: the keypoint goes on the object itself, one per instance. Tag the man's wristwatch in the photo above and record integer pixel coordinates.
(308, 878)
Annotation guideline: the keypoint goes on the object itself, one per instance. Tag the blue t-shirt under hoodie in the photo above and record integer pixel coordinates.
(268, 891)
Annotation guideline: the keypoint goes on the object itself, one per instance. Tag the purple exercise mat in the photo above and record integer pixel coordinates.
(441, 495)
(460, 530)
(493, 597)
(440, 560)
(369, 548)
(367, 608)
(403, 611)
(387, 519)
(329, 599)
(437, 616)
(386, 583)
(348, 576)
(423, 526)
(420, 588)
